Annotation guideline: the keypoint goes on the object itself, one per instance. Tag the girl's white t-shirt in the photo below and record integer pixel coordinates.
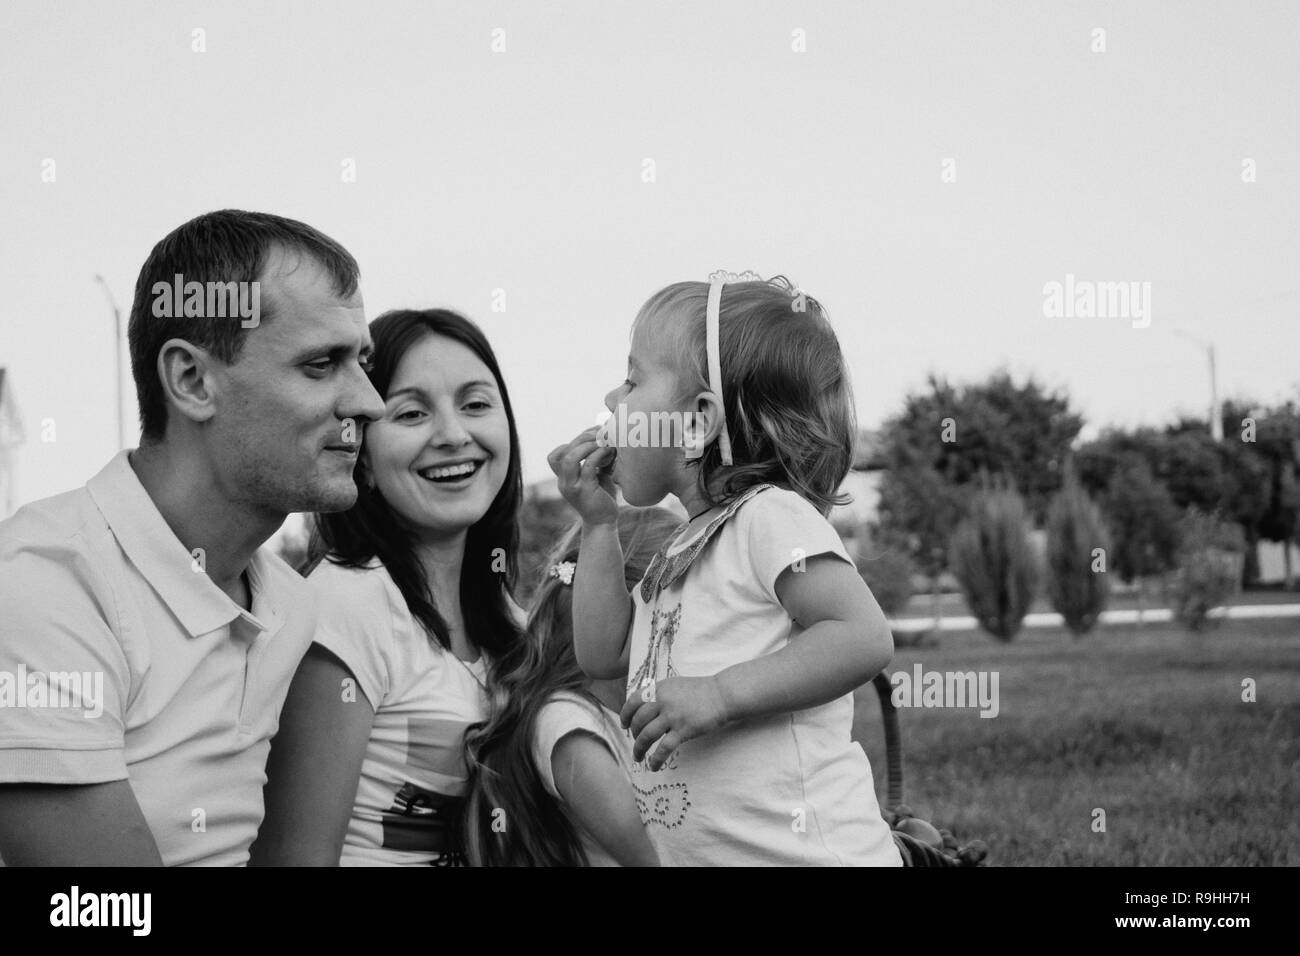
(566, 713)
(791, 789)
(413, 777)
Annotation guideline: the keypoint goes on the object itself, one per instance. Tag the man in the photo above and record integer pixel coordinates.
(147, 639)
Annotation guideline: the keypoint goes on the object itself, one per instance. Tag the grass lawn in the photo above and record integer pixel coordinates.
(1147, 724)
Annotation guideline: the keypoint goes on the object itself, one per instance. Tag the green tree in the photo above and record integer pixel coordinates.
(947, 439)
(1143, 521)
(1225, 478)
(1277, 444)
(993, 559)
(1077, 586)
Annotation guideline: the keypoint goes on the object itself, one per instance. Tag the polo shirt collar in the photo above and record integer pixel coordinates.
(160, 557)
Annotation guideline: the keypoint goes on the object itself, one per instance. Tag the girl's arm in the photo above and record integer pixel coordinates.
(602, 607)
(595, 791)
(845, 642)
(314, 766)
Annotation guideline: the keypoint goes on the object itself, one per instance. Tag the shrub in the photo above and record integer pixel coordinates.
(1209, 568)
(1075, 528)
(994, 561)
(889, 575)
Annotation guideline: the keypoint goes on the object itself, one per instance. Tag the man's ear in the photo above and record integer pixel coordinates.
(702, 426)
(186, 374)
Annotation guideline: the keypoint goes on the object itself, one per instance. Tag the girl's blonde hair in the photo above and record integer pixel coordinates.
(789, 404)
(499, 752)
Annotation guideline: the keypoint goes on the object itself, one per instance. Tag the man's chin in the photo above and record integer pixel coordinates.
(329, 497)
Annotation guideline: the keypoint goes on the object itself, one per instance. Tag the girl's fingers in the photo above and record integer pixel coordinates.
(630, 706)
(571, 460)
(591, 466)
(649, 734)
(577, 452)
(561, 453)
(646, 714)
(661, 753)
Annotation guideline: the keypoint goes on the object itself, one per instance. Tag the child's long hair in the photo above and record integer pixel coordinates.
(534, 830)
(788, 399)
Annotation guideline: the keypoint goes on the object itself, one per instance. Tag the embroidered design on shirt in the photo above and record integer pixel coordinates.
(666, 568)
(665, 804)
(663, 630)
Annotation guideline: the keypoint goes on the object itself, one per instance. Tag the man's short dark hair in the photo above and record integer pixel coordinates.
(226, 246)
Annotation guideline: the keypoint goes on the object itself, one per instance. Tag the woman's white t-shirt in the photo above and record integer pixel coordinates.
(566, 713)
(413, 777)
(792, 789)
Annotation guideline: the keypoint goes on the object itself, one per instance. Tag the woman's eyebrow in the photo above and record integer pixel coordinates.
(420, 393)
(409, 390)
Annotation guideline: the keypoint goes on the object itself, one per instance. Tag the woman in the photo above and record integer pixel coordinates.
(414, 600)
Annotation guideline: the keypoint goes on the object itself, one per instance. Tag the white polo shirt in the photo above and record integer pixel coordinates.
(120, 659)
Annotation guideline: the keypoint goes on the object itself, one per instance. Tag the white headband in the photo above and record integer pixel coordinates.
(716, 281)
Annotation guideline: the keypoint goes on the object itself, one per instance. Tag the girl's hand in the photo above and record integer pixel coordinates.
(680, 709)
(578, 466)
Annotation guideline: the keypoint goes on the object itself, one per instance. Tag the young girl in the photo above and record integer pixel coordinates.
(744, 641)
(549, 771)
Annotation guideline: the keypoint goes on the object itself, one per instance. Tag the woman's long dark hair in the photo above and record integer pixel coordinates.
(372, 529)
(535, 831)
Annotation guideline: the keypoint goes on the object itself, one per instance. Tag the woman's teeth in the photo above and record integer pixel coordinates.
(451, 472)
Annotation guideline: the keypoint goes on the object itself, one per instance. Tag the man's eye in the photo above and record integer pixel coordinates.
(323, 365)
(368, 365)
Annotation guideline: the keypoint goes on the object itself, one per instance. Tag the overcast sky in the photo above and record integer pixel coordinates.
(525, 169)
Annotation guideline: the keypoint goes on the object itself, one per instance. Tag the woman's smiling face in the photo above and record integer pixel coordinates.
(441, 453)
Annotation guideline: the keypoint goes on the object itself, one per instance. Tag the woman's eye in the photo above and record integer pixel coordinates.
(410, 415)
(478, 405)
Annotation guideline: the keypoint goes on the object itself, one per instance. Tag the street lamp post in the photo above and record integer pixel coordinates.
(1216, 415)
(117, 360)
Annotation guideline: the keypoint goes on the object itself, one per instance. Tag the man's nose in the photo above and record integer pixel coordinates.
(362, 401)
